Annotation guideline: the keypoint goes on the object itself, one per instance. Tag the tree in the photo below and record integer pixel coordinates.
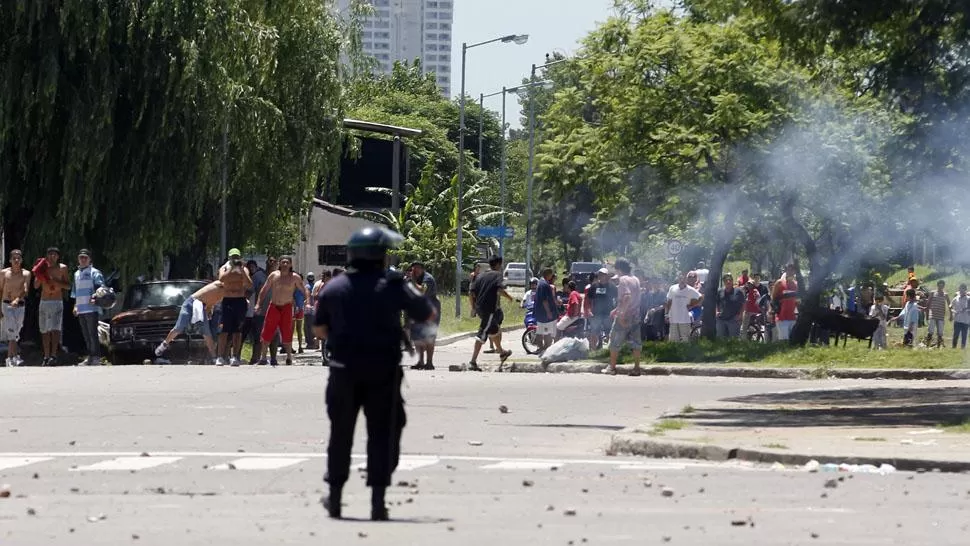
(117, 118)
(684, 110)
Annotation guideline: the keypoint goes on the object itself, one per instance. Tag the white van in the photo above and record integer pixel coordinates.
(517, 274)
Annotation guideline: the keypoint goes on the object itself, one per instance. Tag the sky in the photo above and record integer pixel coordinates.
(552, 25)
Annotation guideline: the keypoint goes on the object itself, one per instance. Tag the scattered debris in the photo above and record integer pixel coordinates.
(200, 433)
(451, 528)
(666, 538)
(777, 466)
(31, 512)
(602, 475)
(97, 518)
(569, 512)
(4, 491)
(554, 468)
(36, 476)
(667, 492)
(230, 466)
(585, 490)
(701, 490)
(160, 490)
(240, 451)
(814, 535)
(439, 436)
(825, 495)
(14, 430)
(742, 522)
(404, 483)
(135, 537)
(550, 508)
(145, 454)
(503, 409)
(72, 442)
(75, 490)
(361, 534)
(474, 442)
(648, 483)
(831, 484)
(529, 483)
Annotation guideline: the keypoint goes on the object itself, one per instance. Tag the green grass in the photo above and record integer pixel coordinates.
(962, 427)
(688, 409)
(869, 439)
(774, 446)
(665, 425)
(514, 316)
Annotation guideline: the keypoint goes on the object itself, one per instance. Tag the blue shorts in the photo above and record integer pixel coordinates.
(185, 319)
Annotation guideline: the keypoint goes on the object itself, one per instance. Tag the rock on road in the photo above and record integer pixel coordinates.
(203, 455)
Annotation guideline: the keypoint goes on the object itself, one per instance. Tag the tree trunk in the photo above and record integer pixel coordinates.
(190, 260)
(722, 247)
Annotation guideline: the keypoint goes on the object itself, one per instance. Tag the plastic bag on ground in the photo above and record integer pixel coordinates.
(566, 349)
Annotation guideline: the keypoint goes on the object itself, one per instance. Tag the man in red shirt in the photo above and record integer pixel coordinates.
(751, 307)
(786, 293)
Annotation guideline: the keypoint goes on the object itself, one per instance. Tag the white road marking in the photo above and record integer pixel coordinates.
(523, 465)
(16, 462)
(129, 463)
(648, 466)
(409, 463)
(259, 463)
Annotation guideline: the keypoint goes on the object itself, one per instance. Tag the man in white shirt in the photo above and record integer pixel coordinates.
(681, 298)
(702, 272)
(529, 298)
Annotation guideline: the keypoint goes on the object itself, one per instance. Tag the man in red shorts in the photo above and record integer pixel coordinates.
(279, 289)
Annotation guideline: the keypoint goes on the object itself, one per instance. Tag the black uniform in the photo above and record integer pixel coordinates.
(362, 312)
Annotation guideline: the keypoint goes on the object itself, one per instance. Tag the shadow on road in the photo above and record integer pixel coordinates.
(863, 407)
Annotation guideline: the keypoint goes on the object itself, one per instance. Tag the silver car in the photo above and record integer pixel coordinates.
(517, 274)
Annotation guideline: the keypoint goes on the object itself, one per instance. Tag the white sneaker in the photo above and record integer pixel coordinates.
(7, 362)
(220, 362)
(234, 362)
(18, 361)
(162, 347)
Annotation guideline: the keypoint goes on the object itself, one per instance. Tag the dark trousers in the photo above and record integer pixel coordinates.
(89, 330)
(384, 410)
(960, 330)
(309, 319)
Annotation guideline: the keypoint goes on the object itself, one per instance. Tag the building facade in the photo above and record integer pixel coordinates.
(405, 30)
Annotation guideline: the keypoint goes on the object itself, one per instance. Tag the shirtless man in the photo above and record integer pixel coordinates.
(14, 282)
(51, 312)
(279, 313)
(236, 280)
(196, 309)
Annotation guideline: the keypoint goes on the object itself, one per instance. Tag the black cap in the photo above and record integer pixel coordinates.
(84, 252)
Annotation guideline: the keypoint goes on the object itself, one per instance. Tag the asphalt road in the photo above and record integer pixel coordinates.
(235, 456)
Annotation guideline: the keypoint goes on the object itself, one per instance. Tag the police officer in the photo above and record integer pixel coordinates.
(359, 316)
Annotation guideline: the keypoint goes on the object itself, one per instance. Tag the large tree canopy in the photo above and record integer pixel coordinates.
(113, 117)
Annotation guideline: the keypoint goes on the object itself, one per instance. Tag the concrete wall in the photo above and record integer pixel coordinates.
(329, 225)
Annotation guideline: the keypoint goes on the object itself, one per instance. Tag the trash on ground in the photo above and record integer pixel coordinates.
(815, 466)
(565, 350)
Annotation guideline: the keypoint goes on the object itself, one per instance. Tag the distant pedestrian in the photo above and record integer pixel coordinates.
(880, 312)
(785, 293)
(681, 298)
(730, 303)
(309, 311)
(936, 305)
(484, 294)
(626, 318)
(424, 334)
(52, 283)
(14, 283)
(960, 315)
(910, 318)
(87, 280)
(546, 310)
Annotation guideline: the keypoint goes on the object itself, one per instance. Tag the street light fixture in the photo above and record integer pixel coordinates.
(505, 91)
(517, 39)
(532, 155)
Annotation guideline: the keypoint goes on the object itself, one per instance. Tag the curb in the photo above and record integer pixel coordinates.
(455, 338)
(632, 444)
(750, 373)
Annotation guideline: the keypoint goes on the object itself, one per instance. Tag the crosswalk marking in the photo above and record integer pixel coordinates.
(129, 463)
(258, 463)
(14, 462)
(524, 465)
(409, 463)
(648, 466)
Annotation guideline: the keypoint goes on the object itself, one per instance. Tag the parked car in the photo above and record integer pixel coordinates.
(579, 271)
(147, 315)
(517, 274)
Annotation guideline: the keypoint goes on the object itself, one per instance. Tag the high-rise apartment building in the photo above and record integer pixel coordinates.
(405, 30)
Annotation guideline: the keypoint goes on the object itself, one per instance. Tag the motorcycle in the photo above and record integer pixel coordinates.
(529, 342)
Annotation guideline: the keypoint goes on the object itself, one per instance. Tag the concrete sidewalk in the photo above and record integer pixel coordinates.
(908, 428)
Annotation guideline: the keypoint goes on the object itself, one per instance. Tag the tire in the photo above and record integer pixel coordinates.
(529, 344)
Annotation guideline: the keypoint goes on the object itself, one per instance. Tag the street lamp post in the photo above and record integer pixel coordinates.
(481, 129)
(505, 91)
(518, 39)
(532, 155)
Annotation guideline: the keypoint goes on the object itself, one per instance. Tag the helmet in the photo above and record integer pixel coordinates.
(105, 297)
(371, 244)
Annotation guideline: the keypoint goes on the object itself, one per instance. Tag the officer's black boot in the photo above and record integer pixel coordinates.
(332, 502)
(378, 511)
